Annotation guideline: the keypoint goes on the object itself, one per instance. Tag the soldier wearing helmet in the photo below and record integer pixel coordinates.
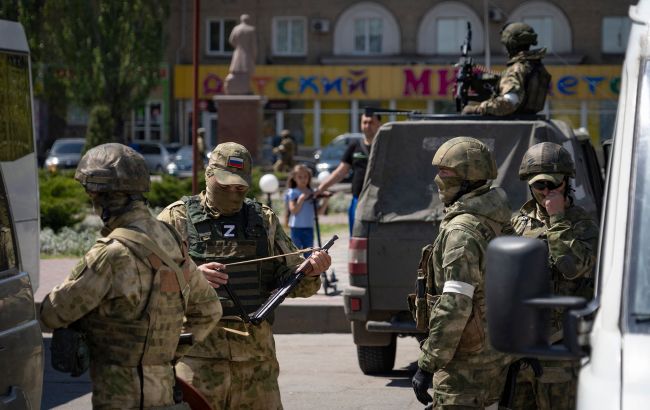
(132, 289)
(572, 237)
(456, 355)
(236, 366)
(523, 86)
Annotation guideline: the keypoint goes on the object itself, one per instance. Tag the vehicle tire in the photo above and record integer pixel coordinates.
(377, 359)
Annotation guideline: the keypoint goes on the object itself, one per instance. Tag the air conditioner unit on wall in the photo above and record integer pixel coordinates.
(320, 26)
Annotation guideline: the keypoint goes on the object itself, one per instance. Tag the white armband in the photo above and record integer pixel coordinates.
(512, 98)
(455, 286)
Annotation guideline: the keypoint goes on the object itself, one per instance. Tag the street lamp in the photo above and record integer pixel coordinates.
(322, 176)
(269, 184)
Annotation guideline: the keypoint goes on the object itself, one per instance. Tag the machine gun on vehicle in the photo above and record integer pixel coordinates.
(473, 82)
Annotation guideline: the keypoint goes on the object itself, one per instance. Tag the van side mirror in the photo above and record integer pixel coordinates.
(519, 300)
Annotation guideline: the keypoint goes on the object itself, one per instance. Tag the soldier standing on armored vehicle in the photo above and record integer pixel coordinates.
(236, 366)
(466, 371)
(522, 88)
(130, 292)
(572, 237)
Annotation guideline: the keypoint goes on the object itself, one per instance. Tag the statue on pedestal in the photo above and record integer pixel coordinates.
(242, 66)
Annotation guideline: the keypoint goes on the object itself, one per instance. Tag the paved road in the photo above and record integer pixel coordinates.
(317, 372)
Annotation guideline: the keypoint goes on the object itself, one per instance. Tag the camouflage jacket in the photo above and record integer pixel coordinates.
(572, 240)
(259, 345)
(114, 282)
(513, 80)
(458, 326)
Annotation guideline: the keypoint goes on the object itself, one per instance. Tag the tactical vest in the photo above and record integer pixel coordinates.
(229, 239)
(426, 297)
(537, 82)
(152, 339)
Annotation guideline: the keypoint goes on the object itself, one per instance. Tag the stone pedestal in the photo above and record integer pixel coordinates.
(240, 121)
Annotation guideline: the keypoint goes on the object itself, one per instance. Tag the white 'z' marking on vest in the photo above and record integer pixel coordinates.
(228, 231)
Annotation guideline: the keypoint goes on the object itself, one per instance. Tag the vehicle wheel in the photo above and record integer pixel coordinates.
(377, 359)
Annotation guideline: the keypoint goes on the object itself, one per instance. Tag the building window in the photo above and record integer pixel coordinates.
(290, 36)
(367, 29)
(147, 121)
(549, 22)
(443, 29)
(218, 31)
(616, 30)
(367, 35)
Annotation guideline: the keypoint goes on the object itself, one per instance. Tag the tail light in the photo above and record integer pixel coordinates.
(358, 256)
(355, 304)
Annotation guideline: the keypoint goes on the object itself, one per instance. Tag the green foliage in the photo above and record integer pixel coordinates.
(100, 127)
(109, 51)
(63, 200)
(68, 241)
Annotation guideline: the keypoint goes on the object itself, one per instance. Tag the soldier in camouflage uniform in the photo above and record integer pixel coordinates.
(128, 301)
(572, 237)
(524, 84)
(466, 371)
(232, 369)
(285, 150)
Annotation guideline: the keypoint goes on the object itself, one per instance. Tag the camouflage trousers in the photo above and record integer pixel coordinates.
(247, 385)
(459, 386)
(118, 387)
(554, 390)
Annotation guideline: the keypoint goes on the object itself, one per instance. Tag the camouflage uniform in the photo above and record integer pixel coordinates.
(572, 239)
(467, 372)
(286, 150)
(230, 369)
(129, 304)
(524, 84)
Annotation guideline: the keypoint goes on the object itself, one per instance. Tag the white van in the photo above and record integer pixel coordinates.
(611, 332)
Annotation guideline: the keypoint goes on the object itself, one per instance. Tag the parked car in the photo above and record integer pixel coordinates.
(329, 157)
(154, 153)
(399, 212)
(181, 165)
(173, 147)
(609, 334)
(65, 153)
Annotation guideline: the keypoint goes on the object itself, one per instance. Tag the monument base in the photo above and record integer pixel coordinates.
(240, 121)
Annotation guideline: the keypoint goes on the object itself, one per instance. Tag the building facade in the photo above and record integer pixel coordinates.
(319, 63)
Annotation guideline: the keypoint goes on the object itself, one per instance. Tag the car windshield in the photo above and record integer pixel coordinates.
(639, 257)
(185, 152)
(67, 148)
(335, 150)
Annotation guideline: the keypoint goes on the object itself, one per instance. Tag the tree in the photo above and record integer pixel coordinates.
(111, 51)
(100, 127)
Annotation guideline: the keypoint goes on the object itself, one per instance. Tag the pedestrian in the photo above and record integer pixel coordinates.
(355, 158)
(522, 88)
(236, 367)
(456, 357)
(303, 207)
(571, 234)
(134, 290)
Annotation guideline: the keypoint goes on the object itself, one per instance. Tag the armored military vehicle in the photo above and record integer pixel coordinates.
(399, 213)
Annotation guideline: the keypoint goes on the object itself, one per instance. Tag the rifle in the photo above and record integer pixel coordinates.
(281, 293)
(473, 82)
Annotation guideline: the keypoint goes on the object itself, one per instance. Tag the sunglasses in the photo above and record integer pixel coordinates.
(540, 185)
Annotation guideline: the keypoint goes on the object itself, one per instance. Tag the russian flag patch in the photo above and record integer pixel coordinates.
(236, 162)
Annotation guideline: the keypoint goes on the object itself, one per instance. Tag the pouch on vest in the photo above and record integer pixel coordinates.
(70, 352)
(418, 302)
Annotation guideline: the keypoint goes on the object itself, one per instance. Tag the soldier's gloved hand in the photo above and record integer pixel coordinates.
(215, 273)
(421, 383)
(317, 262)
(472, 109)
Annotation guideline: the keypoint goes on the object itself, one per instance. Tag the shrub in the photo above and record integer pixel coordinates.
(68, 242)
(100, 127)
(63, 201)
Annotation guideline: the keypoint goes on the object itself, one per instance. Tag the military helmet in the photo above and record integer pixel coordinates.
(113, 167)
(546, 158)
(469, 157)
(517, 35)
